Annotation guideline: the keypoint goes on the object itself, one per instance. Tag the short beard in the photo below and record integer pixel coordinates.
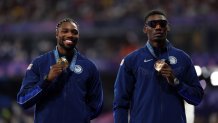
(61, 43)
(161, 42)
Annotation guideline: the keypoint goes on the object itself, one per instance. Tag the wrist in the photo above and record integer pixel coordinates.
(45, 82)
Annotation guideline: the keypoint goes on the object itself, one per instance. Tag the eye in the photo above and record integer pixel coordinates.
(64, 31)
(75, 32)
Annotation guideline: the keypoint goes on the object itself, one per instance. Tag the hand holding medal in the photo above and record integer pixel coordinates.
(63, 61)
(57, 69)
(158, 66)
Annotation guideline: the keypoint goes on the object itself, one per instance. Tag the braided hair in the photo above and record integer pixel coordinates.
(65, 20)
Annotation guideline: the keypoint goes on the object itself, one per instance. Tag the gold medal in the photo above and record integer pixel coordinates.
(158, 65)
(63, 61)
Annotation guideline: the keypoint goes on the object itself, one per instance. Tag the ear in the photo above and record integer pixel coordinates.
(145, 29)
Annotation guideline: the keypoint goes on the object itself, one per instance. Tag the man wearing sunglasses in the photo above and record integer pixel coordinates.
(154, 81)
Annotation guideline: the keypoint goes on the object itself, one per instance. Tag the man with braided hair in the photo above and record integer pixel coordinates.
(63, 85)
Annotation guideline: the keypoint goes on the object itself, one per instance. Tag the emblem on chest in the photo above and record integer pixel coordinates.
(78, 69)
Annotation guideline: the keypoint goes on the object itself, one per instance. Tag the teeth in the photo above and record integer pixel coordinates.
(68, 41)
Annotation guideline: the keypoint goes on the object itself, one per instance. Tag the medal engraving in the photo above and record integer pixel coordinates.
(63, 61)
(158, 65)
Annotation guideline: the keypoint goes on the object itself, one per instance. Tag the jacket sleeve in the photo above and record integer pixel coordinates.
(94, 94)
(122, 93)
(189, 87)
(32, 86)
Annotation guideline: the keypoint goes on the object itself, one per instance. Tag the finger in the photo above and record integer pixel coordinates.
(165, 71)
(61, 69)
(57, 67)
(165, 65)
(58, 70)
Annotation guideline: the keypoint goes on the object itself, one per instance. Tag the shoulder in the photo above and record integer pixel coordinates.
(132, 57)
(43, 57)
(136, 53)
(181, 54)
(39, 61)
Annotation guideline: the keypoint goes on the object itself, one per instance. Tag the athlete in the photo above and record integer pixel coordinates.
(63, 85)
(154, 81)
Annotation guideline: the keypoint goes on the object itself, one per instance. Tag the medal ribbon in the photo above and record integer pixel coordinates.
(151, 50)
(73, 62)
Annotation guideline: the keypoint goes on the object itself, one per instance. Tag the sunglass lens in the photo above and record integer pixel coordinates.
(163, 23)
(154, 23)
(151, 24)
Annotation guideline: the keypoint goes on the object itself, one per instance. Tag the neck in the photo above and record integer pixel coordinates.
(158, 44)
(63, 51)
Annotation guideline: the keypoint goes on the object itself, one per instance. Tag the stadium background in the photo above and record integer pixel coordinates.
(109, 30)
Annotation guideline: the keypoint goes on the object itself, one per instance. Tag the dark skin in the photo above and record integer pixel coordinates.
(65, 35)
(157, 38)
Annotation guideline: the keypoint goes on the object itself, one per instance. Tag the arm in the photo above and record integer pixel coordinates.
(187, 84)
(122, 93)
(34, 84)
(94, 94)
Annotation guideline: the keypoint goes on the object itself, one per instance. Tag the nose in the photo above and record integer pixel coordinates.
(70, 34)
(157, 26)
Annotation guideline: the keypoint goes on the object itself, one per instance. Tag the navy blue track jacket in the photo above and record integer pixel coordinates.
(73, 97)
(147, 95)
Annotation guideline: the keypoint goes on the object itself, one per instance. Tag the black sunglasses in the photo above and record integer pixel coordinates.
(153, 23)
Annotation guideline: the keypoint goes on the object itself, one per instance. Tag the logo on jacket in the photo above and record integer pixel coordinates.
(78, 69)
(147, 60)
(172, 60)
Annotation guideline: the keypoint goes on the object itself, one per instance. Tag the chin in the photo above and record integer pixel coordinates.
(160, 39)
(69, 47)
